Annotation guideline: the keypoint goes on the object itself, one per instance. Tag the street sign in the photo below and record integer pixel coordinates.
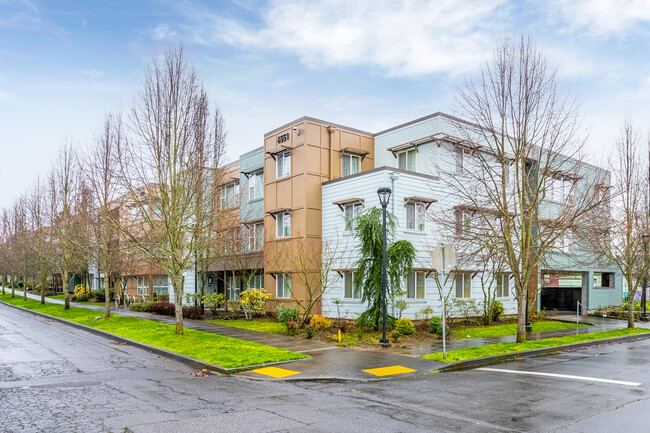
(443, 254)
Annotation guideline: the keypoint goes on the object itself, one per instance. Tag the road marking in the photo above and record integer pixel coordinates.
(562, 376)
(275, 372)
(389, 371)
(316, 350)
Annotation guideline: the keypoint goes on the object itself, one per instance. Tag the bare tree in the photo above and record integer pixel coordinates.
(40, 240)
(519, 148)
(622, 234)
(163, 164)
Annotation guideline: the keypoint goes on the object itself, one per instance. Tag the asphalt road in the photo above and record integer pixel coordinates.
(55, 378)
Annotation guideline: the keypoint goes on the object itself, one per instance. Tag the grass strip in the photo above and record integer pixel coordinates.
(503, 348)
(511, 329)
(270, 327)
(62, 298)
(215, 349)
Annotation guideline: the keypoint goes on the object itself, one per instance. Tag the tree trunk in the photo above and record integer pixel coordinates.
(43, 285)
(521, 318)
(66, 290)
(203, 277)
(2, 282)
(24, 288)
(107, 294)
(177, 283)
(13, 287)
(630, 310)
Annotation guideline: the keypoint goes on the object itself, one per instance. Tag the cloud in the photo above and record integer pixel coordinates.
(23, 15)
(163, 32)
(402, 38)
(601, 18)
(93, 73)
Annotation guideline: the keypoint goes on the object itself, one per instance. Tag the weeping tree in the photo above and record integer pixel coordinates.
(399, 261)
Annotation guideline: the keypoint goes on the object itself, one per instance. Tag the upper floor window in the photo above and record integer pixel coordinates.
(503, 285)
(283, 164)
(229, 195)
(283, 221)
(415, 285)
(415, 216)
(464, 285)
(564, 242)
(464, 160)
(558, 189)
(351, 211)
(463, 222)
(283, 286)
(406, 159)
(256, 185)
(256, 236)
(350, 164)
(350, 289)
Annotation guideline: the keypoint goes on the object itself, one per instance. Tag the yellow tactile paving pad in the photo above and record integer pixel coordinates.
(275, 372)
(389, 371)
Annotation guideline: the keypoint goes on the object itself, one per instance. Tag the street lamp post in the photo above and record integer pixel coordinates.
(384, 197)
(644, 238)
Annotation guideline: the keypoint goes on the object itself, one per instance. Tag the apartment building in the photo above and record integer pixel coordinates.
(300, 190)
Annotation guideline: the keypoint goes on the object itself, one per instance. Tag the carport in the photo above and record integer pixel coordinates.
(561, 290)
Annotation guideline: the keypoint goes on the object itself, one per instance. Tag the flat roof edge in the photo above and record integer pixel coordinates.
(313, 119)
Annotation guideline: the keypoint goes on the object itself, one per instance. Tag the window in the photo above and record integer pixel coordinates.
(283, 229)
(350, 212)
(415, 285)
(157, 210)
(161, 285)
(283, 164)
(503, 285)
(229, 195)
(234, 287)
(143, 289)
(406, 159)
(350, 290)
(415, 216)
(464, 285)
(463, 222)
(256, 185)
(256, 237)
(283, 286)
(91, 281)
(565, 242)
(559, 189)
(256, 282)
(604, 279)
(350, 164)
(102, 283)
(464, 160)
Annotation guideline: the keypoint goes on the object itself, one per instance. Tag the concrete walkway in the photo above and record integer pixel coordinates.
(329, 362)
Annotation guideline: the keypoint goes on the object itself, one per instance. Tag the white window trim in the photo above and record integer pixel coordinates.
(463, 275)
(357, 208)
(419, 216)
(504, 278)
(280, 279)
(417, 275)
(285, 157)
(280, 220)
(255, 191)
(406, 152)
(144, 289)
(352, 291)
(349, 157)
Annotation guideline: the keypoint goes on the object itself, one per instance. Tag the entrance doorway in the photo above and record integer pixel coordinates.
(561, 290)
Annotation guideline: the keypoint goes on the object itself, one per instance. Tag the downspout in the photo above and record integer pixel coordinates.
(330, 132)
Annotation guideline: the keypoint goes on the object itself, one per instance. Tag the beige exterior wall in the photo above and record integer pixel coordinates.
(315, 158)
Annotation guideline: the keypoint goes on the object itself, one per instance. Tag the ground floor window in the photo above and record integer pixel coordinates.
(102, 283)
(161, 285)
(143, 288)
(464, 285)
(604, 279)
(503, 285)
(415, 285)
(91, 281)
(351, 290)
(234, 287)
(283, 286)
(256, 282)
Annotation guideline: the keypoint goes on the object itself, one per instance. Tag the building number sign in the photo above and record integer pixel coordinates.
(282, 138)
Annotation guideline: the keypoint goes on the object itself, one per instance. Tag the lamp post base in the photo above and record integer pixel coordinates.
(384, 343)
(645, 318)
(529, 327)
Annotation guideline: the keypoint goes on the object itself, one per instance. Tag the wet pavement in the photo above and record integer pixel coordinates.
(56, 378)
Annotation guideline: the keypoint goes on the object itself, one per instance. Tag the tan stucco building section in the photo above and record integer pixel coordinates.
(316, 147)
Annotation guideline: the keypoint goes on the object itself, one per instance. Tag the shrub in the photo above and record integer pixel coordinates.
(192, 312)
(435, 325)
(163, 308)
(404, 326)
(395, 336)
(80, 288)
(253, 301)
(319, 323)
(192, 298)
(83, 297)
(292, 328)
(162, 298)
(73, 298)
(99, 295)
(287, 314)
(496, 311)
(141, 307)
(309, 332)
(424, 313)
(214, 301)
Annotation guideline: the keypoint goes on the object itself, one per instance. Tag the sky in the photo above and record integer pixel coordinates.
(365, 64)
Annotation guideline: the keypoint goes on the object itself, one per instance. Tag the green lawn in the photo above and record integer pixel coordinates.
(271, 327)
(503, 348)
(224, 351)
(511, 329)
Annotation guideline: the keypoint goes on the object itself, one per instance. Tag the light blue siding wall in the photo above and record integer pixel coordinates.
(250, 210)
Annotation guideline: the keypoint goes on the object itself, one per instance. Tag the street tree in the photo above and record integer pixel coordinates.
(519, 147)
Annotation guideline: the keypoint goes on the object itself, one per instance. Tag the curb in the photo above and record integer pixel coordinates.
(508, 357)
(192, 362)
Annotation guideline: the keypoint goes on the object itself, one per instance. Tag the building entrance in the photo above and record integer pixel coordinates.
(561, 291)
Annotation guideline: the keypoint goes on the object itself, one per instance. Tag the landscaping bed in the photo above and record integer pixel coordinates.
(268, 325)
(214, 349)
(507, 348)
